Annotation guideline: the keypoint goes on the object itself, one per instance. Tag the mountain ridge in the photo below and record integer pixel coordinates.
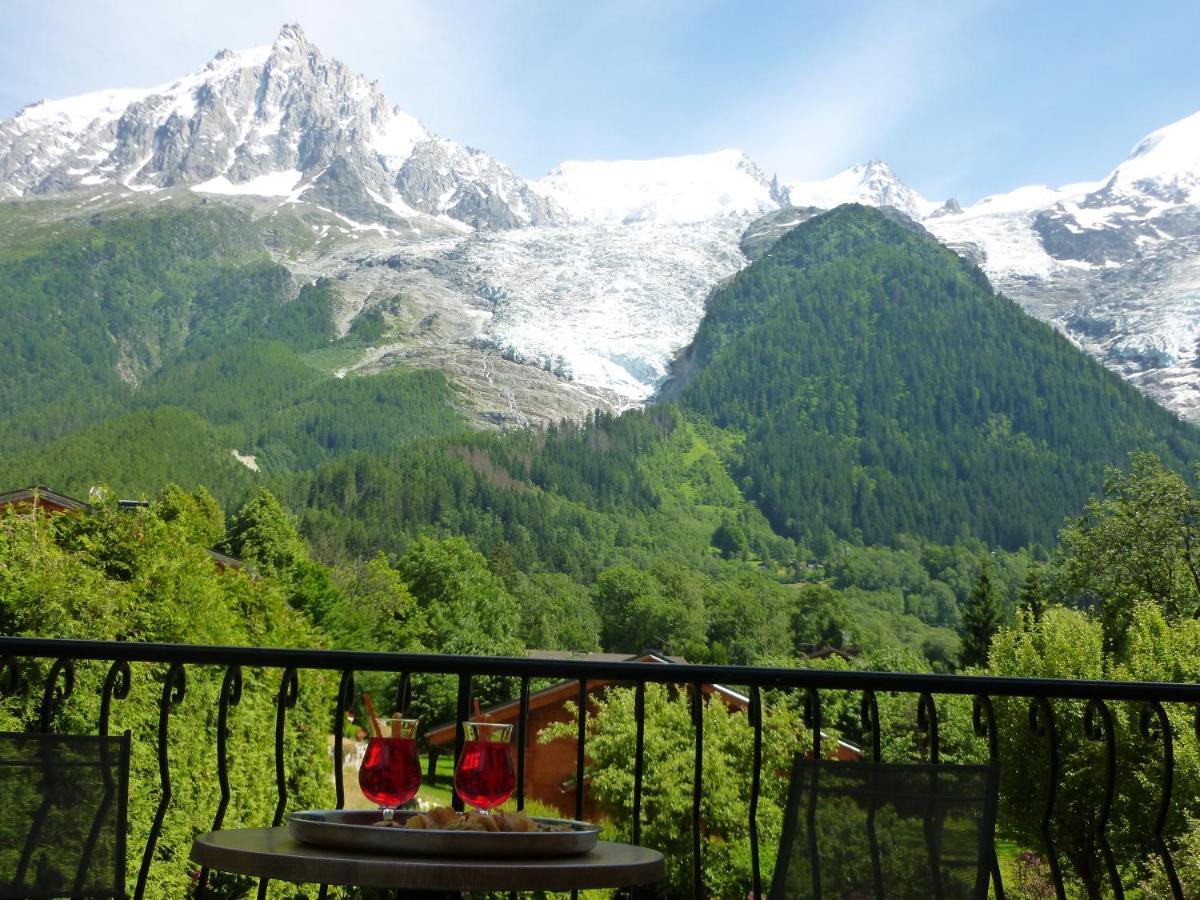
(1114, 264)
(247, 119)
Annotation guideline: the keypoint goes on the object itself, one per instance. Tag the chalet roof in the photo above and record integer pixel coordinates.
(37, 494)
(826, 650)
(443, 733)
(597, 656)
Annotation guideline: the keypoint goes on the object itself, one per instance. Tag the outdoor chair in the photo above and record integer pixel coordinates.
(868, 831)
(63, 814)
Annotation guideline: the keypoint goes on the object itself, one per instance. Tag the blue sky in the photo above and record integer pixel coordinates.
(961, 98)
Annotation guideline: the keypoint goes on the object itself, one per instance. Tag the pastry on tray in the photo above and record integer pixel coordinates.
(443, 818)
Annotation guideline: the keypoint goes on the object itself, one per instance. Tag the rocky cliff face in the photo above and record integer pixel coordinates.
(279, 121)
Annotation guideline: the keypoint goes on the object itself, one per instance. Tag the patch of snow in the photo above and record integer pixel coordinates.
(396, 205)
(395, 140)
(273, 184)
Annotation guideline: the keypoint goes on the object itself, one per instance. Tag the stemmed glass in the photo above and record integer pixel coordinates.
(484, 776)
(391, 772)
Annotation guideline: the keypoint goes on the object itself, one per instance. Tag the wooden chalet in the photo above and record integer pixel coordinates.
(550, 767)
(35, 498)
(38, 499)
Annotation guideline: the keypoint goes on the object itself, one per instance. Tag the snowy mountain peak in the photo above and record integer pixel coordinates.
(1114, 263)
(1164, 165)
(276, 120)
(872, 183)
(670, 189)
(291, 35)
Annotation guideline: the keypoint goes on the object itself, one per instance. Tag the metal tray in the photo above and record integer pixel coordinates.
(355, 830)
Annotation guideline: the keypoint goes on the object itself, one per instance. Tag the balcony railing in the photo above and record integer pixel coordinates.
(57, 659)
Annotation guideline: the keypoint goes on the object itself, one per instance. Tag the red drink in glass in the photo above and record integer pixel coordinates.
(484, 776)
(390, 772)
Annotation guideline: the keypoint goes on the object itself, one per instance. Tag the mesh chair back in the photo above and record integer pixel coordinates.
(866, 831)
(63, 812)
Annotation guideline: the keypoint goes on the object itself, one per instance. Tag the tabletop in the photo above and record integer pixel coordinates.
(274, 853)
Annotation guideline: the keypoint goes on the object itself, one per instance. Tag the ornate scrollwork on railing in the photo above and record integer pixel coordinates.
(1098, 726)
(1045, 700)
(868, 714)
(697, 691)
(55, 694)
(1155, 727)
(927, 723)
(756, 723)
(812, 720)
(639, 757)
(231, 695)
(1042, 726)
(174, 687)
(345, 697)
(116, 686)
(10, 676)
(983, 722)
(285, 699)
(869, 718)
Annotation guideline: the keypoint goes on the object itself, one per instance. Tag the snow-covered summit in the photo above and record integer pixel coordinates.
(872, 183)
(1164, 165)
(281, 120)
(674, 189)
(1114, 263)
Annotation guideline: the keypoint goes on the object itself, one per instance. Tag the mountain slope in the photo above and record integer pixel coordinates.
(170, 331)
(883, 387)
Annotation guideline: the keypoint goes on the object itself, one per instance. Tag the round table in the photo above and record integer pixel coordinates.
(273, 853)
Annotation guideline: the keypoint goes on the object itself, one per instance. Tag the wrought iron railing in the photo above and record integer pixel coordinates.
(57, 685)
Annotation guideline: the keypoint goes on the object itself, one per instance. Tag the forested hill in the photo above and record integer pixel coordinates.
(143, 346)
(882, 387)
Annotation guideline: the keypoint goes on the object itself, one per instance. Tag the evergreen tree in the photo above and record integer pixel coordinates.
(1033, 596)
(731, 540)
(503, 565)
(981, 618)
(262, 534)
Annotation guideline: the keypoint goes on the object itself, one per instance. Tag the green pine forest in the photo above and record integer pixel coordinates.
(864, 446)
